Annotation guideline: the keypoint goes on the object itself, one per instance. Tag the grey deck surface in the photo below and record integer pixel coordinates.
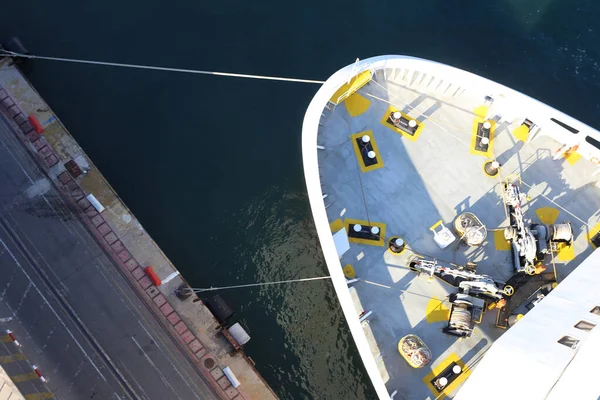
(436, 178)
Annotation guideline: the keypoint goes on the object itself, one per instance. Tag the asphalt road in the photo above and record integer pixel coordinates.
(76, 316)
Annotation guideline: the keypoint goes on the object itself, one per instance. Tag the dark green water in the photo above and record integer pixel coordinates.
(212, 166)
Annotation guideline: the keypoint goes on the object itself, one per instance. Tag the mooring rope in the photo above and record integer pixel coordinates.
(198, 290)
(156, 68)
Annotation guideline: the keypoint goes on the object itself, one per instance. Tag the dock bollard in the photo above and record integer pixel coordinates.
(184, 292)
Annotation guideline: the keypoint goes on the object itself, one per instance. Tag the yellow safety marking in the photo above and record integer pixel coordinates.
(25, 377)
(481, 111)
(500, 242)
(12, 358)
(547, 215)
(349, 271)
(356, 82)
(432, 227)
(40, 396)
(565, 252)
(572, 158)
(478, 321)
(474, 132)
(5, 339)
(414, 137)
(356, 105)
(521, 133)
(336, 225)
(358, 154)
(453, 357)
(436, 311)
(380, 225)
(592, 232)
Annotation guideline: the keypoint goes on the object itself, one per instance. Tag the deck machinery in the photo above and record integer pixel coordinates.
(468, 303)
(530, 244)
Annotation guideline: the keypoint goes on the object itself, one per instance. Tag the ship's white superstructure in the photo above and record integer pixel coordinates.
(412, 168)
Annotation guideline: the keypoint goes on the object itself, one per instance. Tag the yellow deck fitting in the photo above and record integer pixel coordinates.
(336, 225)
(593, 232)
(349, 271)
(400, 131)
(572, 158)
(436, 311)
(521, 133)
(547, 215)
(356, 104)
(348, 88)
(481, 111)
(432, 227)
(435, 371)
(499, 241)
(380, 225)
(474, 132)
(565, 252)
(357, 151)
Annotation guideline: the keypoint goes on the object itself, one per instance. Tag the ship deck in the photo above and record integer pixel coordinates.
(436, 175)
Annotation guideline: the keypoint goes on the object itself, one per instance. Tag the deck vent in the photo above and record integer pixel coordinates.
(585, 326)
(595, 310)
(569, 341)
(593, 141)
(567, 127)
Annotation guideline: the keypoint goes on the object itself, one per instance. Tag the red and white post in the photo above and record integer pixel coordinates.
(14, 339)
(39, 374)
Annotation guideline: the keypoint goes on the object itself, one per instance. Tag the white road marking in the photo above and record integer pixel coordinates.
(7, 286)
(145, 395)
(170, 362)
(171, 276)
(22, 299)
(53, 310)
(15, 224)
(154, 366)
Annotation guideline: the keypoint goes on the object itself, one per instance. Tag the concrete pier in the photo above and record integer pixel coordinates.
(188, 324)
